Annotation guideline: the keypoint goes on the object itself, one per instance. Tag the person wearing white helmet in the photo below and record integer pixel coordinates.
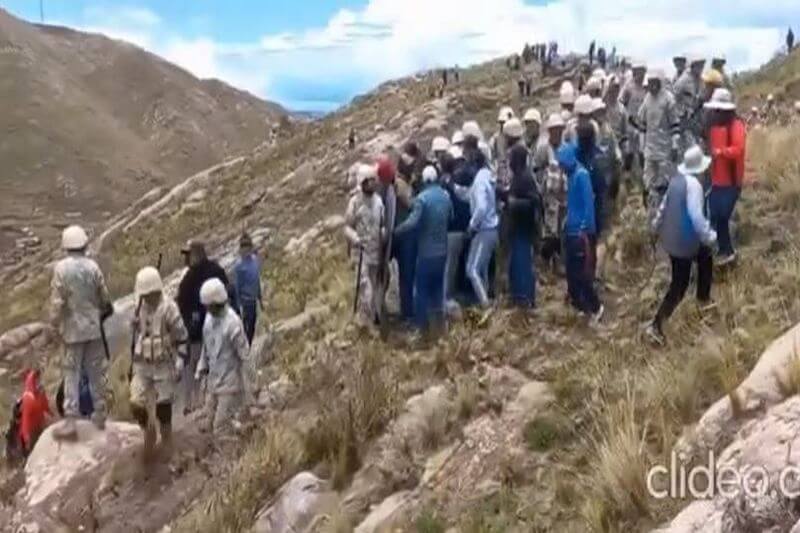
(679, 62)
(616, 115)
(566, 96)
(533, 124)
(658, 118)
(439, 146)
(632, 97)
(472, 129)
(718, 63)
(458, 138)
(688, 92)
(553, 184)
(594, 87)
(584, 108)
(79, 301)
(430, 217)
(364, 230)
(223, 358)
(498, 145)
(159, 356)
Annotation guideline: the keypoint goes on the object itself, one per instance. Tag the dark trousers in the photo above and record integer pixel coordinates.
(249, 316)
(429, 290)
(521, 270)
(681, 272)
(721, 203)
(580, 267)
(405, 251)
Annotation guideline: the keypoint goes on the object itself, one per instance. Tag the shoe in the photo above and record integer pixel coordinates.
(706, 306)
(598, 316)
(653, 333)
(724, 260)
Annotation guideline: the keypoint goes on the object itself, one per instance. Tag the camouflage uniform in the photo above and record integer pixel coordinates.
(364, 221)
(78, 297)
(662, 135)
(553, 184)
(632, 98)
(499, 150)
(688, 94)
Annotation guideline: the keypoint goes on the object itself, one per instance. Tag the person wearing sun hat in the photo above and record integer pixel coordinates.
(686, 235)
(727, 141)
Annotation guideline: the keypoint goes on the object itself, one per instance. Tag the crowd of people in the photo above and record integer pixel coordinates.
(451, 224)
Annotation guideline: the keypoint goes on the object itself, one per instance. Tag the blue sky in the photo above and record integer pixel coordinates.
(317, 54)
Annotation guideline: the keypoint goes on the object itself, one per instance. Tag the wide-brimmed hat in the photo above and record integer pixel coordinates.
(721, 99)
(694, 161)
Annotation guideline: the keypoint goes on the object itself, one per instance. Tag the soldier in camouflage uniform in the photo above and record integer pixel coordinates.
(159, 356)
(688, 102)
(631, 98)
(553, 184)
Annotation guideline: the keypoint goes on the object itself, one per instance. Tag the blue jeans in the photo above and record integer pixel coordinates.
(249, 315)
(481, 250)
(721, 203)
(521, 271)
(580, 268)
(429, 290)
(405, 251)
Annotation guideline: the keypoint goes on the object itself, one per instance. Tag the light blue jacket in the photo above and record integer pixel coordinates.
(431, 213)
(483, 203)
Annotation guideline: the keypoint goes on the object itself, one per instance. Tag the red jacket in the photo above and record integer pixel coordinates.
(728, 145)
(33, 411)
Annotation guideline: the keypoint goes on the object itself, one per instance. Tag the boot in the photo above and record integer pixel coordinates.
(149, 443)
(66, 430)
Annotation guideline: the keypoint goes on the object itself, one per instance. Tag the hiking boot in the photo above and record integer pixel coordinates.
(654, 334)
(598, 316)
(725, 260)
(66, 430)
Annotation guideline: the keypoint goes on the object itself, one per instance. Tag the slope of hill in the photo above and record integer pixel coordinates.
(90, 124)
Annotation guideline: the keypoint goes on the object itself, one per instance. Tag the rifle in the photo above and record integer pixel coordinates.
(358, 278)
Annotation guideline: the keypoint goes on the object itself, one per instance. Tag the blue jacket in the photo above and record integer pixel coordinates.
(431, 214)
(463, 176)
(247, 279)
(591, 161)
(580, 197)
(483, 202)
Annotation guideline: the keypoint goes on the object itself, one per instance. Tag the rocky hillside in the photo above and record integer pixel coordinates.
(523, 422)
(90, 124)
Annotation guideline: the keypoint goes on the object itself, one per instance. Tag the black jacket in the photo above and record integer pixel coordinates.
(192, 311)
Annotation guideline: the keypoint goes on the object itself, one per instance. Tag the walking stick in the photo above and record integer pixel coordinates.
(358, 279)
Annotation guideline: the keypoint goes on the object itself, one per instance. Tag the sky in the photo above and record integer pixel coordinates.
(315, 55)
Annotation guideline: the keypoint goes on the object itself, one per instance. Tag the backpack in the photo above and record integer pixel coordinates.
(85, 404)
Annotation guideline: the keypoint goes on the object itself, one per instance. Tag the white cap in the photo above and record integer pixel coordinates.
(213, 292)
(532, 115)
(148, 281)
(599, 73)
(440, 144)
(513, 128)
(584, 105)
(456, 152)
(505, 113)
(555, 120)
(458, 137)
(74, 238)
(472, 129)
(366, 172)
(639, 64)
(721, 99)
(594, 84)
(656, 74)
(694, 161)
(696, 58)
(719, 57)
(566, 95)
(429, 174)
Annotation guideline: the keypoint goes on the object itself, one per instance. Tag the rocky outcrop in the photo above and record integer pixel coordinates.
(25, 337)
(300, 506)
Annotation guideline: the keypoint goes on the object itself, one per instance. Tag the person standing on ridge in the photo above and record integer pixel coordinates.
(679, 62)
(499, 145)
(523, 203)
(632, 98)
(553, 184)
(687, 237)
(247, 284)
(79, 300)
(789, 40)
(591, 53)
(688, 91)
(533, 123)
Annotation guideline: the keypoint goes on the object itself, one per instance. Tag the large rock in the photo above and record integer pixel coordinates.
(391, 513)
(758, 391)
(19, 338)
(305, 319)
(299, 245)
(772, 444)
(301, 505)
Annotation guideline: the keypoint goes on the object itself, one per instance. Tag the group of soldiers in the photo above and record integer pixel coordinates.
(200, 340)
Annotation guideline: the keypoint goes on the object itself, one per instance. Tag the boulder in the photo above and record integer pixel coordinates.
(531, 399)
(299, 506)
(391, 513)
(301, 244)
(303, 320)
(20, 337)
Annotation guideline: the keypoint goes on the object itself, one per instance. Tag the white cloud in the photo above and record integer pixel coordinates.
(358, 48)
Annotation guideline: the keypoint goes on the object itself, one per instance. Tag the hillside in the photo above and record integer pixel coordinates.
(90, 124)
(525, 422)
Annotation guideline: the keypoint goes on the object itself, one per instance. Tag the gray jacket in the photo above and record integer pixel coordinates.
(680, 222)
(225, 350)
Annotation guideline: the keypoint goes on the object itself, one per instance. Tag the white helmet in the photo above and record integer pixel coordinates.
(797, 106)
(656, 74)
(366, 172)
(638, 64)
(148, 281)
(594, 84)
(74, 238)
(555, 120)
(458, 137)
(514, 128)
(429, 174)
(584, 105)
(456, 152)
(472, 129)
(566, 95)
(213, 292)
(532, 115)
(440, 144)
(695, 59)
(505, 114)
(599, 73)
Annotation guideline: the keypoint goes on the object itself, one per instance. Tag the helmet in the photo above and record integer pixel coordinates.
(599, 73)
(656, 74)
(74, 238)
(566, 95)
(680, 56)
(638, 65)
(429, 174)
(555, 120)
(471, 129)
(594, 84)
(458, 137)
(598, 104)
(440, 144)
(513, 128)
(696, 58)
(505, 114)
(584, 105)
(720, 58)
(532, 115)
(148, 281)
(456, 152)
(712, 77)
(366, 172)
(386, 170)
(721, 99)
(213, 292)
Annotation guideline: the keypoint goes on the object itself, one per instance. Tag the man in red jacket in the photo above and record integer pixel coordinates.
(34, 412)
(727, 139)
